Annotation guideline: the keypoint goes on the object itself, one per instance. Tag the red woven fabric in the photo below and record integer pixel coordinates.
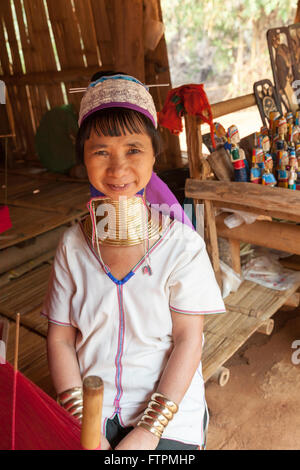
(40, 423)
(187, 99)
(5, 222)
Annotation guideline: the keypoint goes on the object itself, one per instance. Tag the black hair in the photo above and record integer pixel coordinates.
(115, 122)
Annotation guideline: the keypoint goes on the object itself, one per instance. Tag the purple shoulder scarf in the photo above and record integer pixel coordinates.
(158, 193)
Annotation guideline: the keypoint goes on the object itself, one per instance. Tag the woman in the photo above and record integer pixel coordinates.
(130, 286)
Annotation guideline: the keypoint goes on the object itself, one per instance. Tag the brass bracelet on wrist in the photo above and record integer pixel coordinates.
(149, 428)
(72, 401)
(157, 415)
(159, 398)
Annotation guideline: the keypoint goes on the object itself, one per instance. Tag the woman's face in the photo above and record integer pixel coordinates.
(119, 166)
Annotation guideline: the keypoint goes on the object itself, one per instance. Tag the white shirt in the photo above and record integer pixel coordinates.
(125, 327)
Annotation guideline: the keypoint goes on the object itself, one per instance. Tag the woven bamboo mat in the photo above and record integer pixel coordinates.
(32, 357)
(39, 205)
(247, 309)
(25, 296)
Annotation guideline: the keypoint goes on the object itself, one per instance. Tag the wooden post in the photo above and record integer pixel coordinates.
(235, 250)
(200, 169)
(92, 412)
(297, 17)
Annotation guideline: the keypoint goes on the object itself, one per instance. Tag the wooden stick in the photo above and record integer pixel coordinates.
(92, 412)
(17, 342)
(233, 105)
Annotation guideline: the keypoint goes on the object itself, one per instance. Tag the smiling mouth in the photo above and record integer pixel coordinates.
(118, 187)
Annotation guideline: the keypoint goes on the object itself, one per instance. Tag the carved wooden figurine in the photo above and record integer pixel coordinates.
(237, 155)
(268, 178)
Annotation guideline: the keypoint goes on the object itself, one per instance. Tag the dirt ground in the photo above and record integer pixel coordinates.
(259, 408)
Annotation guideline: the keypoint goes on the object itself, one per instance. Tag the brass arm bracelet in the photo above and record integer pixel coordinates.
(153, 422)
(157, 415)
(72, 401)
(149, 428)
(161, 399)
(161, 409)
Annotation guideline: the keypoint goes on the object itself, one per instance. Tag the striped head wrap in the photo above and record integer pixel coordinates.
(122, 91)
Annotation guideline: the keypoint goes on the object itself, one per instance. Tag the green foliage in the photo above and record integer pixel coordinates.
(210, 40)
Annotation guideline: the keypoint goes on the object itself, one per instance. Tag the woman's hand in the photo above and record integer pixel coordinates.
(138, 439)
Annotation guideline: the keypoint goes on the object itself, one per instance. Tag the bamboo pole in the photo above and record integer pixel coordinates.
(92, 413)
(53, 76)
(16, 356)
(233, 105)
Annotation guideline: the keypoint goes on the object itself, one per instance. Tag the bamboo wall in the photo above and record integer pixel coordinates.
(50, 46)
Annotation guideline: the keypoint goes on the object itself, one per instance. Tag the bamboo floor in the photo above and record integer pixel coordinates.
(247, 309)
(39, 203)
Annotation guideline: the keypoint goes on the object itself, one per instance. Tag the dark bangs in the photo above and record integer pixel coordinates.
(115, 122)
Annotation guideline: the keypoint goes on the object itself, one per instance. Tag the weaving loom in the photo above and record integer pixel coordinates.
(32, 420)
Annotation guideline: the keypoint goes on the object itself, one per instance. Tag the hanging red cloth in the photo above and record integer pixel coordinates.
(186, 99)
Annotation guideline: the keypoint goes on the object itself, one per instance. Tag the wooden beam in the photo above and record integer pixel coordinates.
(275, 235)
(233, 105)
(53, 76)
(256, 196)
(255, 210)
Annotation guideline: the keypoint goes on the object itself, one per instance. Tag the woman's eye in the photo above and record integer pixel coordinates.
(133, 151)
(102, 153)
